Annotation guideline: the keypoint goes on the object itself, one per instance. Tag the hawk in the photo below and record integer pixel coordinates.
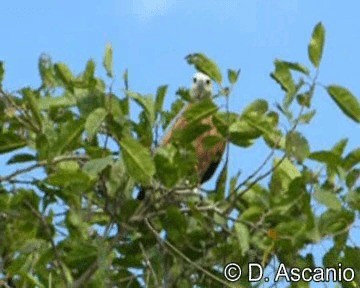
(208, 158)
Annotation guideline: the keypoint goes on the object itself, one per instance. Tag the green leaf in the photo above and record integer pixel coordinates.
(286, 170)
(352, 159)
(95, 166)
(21, 158)
(10, 142)
(256, 108)
(233, 75)
(241, 131)
(351, 256)
(297, 146)
(80, 253)
(304, 99)
(87, 101)
(120, 183)
(46, 70)
(328, 199)
(200, 110)
(346, 101)
(34, 280)
(108, 60)
(316, 45)
(205, 65)
(352, 177)
(33, 104)
(242, 233)
(2, 72)
(307, 117)
(69, 137)
(328, 226)
(56, 102)
(88, 75)
(144, 130)
(115, 106)
(64, 178)
(340, 146)
(296, 67)
(283, 76)
(292, 228)
(252, 214)
(137, 160)
(175, 223)
(191, 132)
(233, 184)
(327, 157)
(331, 258)
(353, 199)
(159, 99)
(146, 102)
(68, 166)
(166, 165)
(220, 188)
(94, 121)
(291, 95)
(64, 74)
(184, 94)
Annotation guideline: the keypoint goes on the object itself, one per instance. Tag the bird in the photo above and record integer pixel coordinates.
(208, 158)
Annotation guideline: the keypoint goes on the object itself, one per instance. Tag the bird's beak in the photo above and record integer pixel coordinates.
(201, 85)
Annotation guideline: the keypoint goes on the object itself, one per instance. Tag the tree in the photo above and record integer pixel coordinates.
(69, 217)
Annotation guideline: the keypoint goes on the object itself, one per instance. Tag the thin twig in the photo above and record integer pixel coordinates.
(109, 108)
(86, 275)
(148, 264)
(50, 239)
(4, 284)
(183, 256)
(24, 113)
(42, 163)
(262, 165)
(263, 176)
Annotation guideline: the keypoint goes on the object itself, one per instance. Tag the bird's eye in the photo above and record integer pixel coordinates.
(194, 79)
(207, 81)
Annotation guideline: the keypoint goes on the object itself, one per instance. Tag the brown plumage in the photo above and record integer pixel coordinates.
(208, 158)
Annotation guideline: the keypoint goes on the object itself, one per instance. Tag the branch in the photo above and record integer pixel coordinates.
(24, 113)
(262, 165)
(148, 264)
(86, 275)
(9, 177)
(51, 240)
(260, 177)
(183, 256)
(90, 271)
(4, 284)
(204, 208)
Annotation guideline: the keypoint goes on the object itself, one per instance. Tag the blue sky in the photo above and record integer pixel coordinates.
(152, 37)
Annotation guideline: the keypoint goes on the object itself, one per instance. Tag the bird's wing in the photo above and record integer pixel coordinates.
(208, 158)
(179, 123)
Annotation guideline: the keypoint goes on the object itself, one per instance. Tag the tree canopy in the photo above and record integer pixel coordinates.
(77, 156)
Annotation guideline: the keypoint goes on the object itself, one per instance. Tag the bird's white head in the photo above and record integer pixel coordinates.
(202, 86)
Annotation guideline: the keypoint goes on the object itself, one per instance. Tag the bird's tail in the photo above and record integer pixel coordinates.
(141, 194)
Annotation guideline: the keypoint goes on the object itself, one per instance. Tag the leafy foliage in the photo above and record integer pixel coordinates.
(316, 44)
(77, 157)
(203, 64)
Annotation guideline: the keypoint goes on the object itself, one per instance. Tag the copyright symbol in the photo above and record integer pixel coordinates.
(232, 272)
